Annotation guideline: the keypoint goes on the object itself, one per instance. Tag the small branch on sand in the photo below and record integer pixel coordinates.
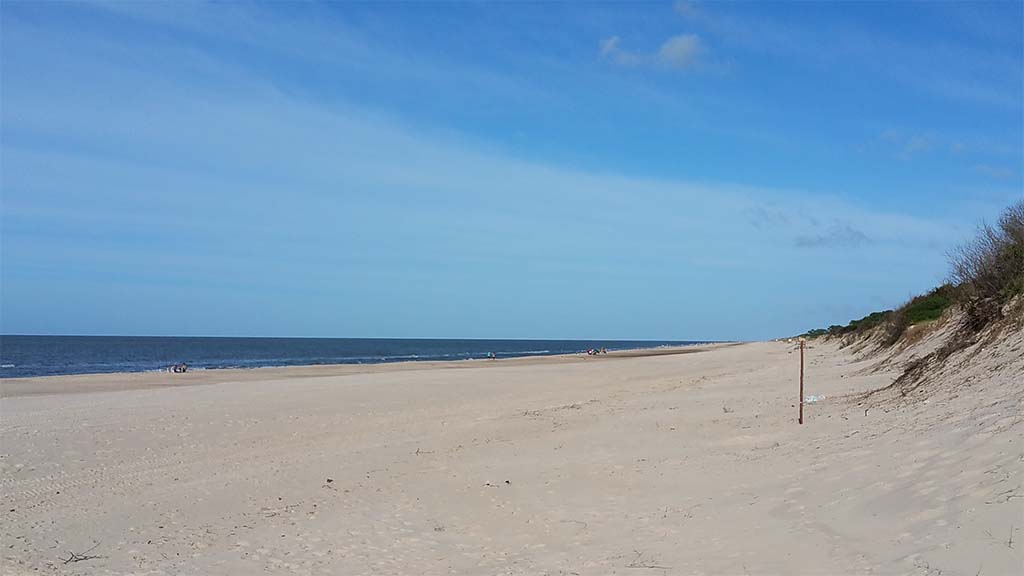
(580, 522)
(73, 557)
(639, 562)
(1005, 496)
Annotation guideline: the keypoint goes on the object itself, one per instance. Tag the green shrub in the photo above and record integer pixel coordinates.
(923, 308)
(930, 306)
(868, 322)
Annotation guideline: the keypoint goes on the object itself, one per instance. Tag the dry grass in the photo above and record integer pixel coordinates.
(989, 270)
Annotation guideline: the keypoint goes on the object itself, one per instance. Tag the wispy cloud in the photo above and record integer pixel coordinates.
(686, 8)
(906, 146)
(766, 217)
(839, 235)
(680, 52)
(941, 69)
(910, 144)
(997, 172)
(611, 49)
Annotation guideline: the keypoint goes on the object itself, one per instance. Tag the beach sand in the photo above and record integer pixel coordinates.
(627, 464)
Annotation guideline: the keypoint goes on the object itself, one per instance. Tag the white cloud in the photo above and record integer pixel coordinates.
(686, 8)
(680, 51)
(611, 49)
(610, 45)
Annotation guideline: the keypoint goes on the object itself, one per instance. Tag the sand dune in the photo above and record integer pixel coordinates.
(674, 464)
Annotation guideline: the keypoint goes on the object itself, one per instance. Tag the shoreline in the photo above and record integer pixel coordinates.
(112, 381)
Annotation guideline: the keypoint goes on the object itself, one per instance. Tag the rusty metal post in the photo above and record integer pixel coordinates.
(800, 420)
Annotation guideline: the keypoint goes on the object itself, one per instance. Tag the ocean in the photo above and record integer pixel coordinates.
(23, 356)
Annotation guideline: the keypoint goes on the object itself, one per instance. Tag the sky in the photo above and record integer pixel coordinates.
(724, 171)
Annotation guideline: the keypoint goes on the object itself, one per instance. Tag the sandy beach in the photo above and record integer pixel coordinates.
(628, 464)
(511, 288)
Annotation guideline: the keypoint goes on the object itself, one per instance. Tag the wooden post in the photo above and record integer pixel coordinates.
(800, 419)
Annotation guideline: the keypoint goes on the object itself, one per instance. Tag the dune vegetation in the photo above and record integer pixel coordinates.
(986, 275)
(984, 294)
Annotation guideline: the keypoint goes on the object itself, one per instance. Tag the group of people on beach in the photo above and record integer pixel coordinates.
(178, 368)
(596, 351)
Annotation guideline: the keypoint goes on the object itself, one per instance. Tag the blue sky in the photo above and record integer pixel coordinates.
(688, 170)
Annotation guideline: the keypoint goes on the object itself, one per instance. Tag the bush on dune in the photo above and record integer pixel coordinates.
(986, 273)
(868, 322)
(924, 308)
(854, 327)
(989, 270)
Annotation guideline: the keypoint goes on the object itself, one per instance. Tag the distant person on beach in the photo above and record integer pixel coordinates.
(179, 368)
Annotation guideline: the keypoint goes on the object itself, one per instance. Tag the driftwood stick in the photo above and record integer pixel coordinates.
(74, 557)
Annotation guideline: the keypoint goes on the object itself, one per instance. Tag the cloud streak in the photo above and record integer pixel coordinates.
(686, 8)
(997, 172)
(838, 235)
(907, 146)
(681, 52)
